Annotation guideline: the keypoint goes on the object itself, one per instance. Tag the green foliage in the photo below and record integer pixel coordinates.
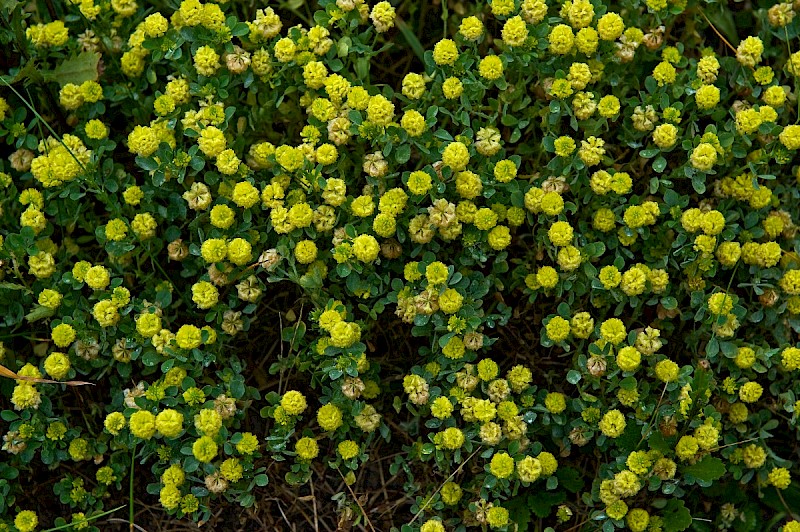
(550, 262)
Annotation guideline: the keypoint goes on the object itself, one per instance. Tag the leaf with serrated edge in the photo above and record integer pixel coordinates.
(78, 69)
(676, 516)
(708, 469)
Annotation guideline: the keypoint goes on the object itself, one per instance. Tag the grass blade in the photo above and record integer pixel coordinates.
(411, 38)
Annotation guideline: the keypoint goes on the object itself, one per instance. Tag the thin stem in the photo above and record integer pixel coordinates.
(652, 419)
(717, 31)
(794, 74)
(445, 17)
(734, 443)
(37, 115)
(92, 518)
(454, 473)
(788, 508)
(363, 512)
(130, 489)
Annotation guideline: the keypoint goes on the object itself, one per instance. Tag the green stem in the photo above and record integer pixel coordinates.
(794, 74)
(130, 488)
(652, 421)
(37, 115)
(92, 518)
(445, 17)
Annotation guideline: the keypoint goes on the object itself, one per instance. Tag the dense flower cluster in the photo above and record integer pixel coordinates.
(583, 228)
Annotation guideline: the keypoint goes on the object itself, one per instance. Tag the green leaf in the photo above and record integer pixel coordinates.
(237, 388)
(343, 47)
(322, 18)
(709, 469)
(12, 286)
(570, 478)
(520, 513)
(713, 347)
(722, 19)
(699, 183)
(78, 69)
(39, 312)
(362, 68)
(671, 198)
(509, 120)
(443, 135)
(29, 71)
(8, 6)
(402, 154)
(240, 29)
(412, 39)
(9, 415)
(573, 377)
(669, 302)
(657, 442)
(676, 517)
(151, 358)
(659, 164)
(630, 437)
(542, 504)
(8, 473)
(595, 249)
(147, 163)
(167, 365)
(773, 499)
(748, 520)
